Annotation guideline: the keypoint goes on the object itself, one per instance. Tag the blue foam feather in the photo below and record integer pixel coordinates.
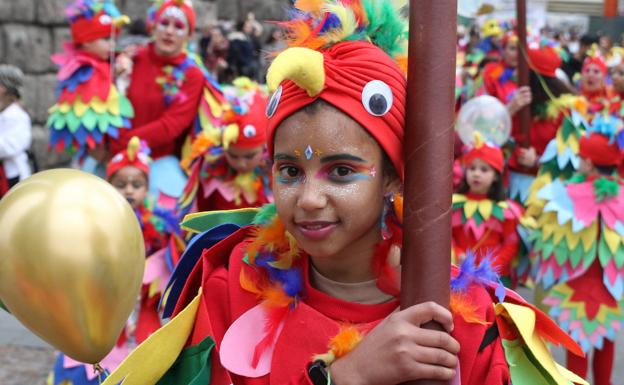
(482, 274)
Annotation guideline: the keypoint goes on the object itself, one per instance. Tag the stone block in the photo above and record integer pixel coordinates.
(60, 35)
(51, 11)
(28, 47)
(18, 10)
(39, 96)
(24, 10)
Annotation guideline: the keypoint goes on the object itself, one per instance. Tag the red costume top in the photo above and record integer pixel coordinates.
(541, 131)
(488, 231)
(164, 112)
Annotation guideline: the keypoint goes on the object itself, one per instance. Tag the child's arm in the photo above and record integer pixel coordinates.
(176, 118)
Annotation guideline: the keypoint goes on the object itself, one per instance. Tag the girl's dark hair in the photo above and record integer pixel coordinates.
(539, 94)
(496, 192)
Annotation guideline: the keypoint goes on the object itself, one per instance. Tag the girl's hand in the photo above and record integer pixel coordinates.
(527, 157)
(123, 64)
(521, 98)
(399, 350)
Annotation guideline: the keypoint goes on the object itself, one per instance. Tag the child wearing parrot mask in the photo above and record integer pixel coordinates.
(89, 106)
(128, 172)
(306, 292)
(227, 167)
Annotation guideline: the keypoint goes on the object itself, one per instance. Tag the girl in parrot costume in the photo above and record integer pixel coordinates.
(89, 107)
(578, 252)
(484, 221)
(306, 291)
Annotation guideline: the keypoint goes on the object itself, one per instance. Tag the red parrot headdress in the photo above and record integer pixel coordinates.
(136, 155)
(351, 54)
(160, 6)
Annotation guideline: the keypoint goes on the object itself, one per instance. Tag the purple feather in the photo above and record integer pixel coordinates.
(483, 274)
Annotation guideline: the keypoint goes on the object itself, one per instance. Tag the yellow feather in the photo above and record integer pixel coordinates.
(133, 148)
(79, 107)
(230, 135)
(348, 24)
(470, 207)
(612, 239)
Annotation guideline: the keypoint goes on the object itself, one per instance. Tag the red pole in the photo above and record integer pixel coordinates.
(523, 70)
(425, 273)
(610, 8)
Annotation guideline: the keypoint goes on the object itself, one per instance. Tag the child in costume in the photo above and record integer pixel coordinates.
(578, 244)
(484, 221)
(311, 276)
(128, 172)
(89, 107)
(228, 168)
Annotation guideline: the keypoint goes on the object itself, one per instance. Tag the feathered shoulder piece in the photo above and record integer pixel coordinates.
(482, 210)
(319, 24)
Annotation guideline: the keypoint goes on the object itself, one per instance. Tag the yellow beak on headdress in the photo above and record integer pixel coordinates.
(304, 66)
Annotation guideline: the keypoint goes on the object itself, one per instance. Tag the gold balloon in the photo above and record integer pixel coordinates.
(71, 260)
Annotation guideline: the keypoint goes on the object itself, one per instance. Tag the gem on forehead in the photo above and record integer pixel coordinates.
(308, 152)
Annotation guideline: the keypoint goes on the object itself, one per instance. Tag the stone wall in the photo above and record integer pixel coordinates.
(30, 31)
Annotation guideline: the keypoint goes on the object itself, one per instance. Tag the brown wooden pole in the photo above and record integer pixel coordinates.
(426, 256)
(523, 70)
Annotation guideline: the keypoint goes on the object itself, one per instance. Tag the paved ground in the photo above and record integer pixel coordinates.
(26, 360)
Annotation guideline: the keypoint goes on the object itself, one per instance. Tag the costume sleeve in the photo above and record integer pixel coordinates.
(175, 120)
(16, 136)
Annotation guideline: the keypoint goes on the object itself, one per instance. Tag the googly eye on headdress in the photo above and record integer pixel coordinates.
(377, 98)
(249, 131)
(117, 158)
(274, 102)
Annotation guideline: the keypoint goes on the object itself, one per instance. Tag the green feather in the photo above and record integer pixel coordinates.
(72, 122)
(89, 119)
(60, 122)
(116, 120)
(103, 122)
(386, 28)
(265, 215)
(125, 108)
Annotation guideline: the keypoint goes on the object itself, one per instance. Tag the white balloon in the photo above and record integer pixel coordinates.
(486, 115)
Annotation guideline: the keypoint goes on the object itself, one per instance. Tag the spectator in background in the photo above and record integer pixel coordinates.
(215, 53)
(273, 45)
(241, 59)
(15, 129)
(575, 64)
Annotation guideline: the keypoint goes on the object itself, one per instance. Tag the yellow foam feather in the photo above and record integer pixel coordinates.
(305, 67)
(524, 319)
(485, 208)
(589, 235)
(458, 198)
(216, 109)
(64, 108)
(230, 135)
(112, 102)
(612, 238)
(98, 105)
(470, 207)
(79, 107)
(151, 360)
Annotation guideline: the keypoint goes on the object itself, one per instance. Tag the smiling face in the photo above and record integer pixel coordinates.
(328, 183)
(131, 183)
(171, 33)
(480, 176)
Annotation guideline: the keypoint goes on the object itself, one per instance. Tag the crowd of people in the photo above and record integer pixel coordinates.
(307, 172)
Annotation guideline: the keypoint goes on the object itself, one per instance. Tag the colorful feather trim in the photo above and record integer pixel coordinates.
(318, 24)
